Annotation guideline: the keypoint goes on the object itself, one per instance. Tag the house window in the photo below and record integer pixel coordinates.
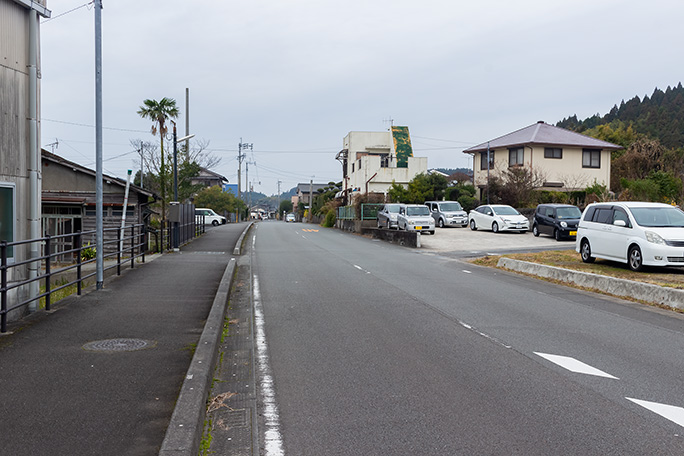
(553, 152)
(515, 156)
(359, 163)
(7, 215)
(483, 160)
(352, 167)
(591, 158)
(384, 161)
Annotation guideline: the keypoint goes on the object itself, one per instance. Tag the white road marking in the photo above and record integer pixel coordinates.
(574, 365)
(467, 272)
(671, 412)
(361, 269)
(486, 336)
(273, 441)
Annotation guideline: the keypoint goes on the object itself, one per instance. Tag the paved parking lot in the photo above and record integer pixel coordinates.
(465, 242)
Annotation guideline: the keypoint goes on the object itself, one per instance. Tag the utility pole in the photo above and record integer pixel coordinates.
(187, 121)
(99, 241)
(241, 157)
(310, 200)
(488, 162)
(278, 206)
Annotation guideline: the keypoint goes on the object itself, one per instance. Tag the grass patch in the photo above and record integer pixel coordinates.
(569, 259)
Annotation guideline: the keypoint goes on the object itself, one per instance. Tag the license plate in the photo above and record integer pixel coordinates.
(419, 228)
(573, 233)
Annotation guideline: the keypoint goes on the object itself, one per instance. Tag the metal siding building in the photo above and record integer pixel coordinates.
(16, 123)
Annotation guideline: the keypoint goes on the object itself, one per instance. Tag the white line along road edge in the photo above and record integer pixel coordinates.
(273, 441)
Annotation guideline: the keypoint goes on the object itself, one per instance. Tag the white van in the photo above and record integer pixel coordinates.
(639, 234)
(208, 216)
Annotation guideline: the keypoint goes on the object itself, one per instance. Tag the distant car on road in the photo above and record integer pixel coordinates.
(497, 217)
(636, 233)
(447, 213)
(290, 217)
(415, 217)
(387, 216)
(557, 220)
(208, 216)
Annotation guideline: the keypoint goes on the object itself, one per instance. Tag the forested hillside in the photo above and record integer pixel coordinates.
(660, 116)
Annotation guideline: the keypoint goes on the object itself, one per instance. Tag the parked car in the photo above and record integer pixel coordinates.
(447, 213)
(290, 217)
(415, 217)
(387, 216)
(497, 217)
(557, 220)
(636, 233)
(208, 216)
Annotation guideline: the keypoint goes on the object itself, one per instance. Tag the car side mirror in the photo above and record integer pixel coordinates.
(620, 223)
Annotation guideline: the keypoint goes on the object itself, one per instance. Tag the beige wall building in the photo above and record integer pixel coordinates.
(564, 160)
(371, 161)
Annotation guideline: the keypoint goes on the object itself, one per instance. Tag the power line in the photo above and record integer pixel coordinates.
(66, 12)
(93, 126)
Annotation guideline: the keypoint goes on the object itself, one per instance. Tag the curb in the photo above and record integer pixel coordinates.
(670, 297)
(238, 244)
(185, 429)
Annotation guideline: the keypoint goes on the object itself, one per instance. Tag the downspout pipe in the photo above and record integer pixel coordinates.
(34, 159)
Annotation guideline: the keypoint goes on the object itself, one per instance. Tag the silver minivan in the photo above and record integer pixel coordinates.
(447, 213)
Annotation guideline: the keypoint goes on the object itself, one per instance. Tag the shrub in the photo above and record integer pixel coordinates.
(330, 219)
(468, 202)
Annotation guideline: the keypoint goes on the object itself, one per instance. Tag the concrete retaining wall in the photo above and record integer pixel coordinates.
(670, 297)
(407, 238)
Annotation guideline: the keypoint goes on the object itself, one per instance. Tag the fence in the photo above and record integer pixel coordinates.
(131, 241)
(368, 211)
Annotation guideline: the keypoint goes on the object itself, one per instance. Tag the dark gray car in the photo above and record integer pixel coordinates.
(557, 220)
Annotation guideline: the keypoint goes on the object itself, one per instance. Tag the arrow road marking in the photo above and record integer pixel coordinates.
(671, 412)
(574, 365)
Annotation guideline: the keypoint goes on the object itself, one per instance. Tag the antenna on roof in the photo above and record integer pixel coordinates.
(390, 121)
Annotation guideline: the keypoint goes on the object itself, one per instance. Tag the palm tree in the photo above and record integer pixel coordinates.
(159, 112)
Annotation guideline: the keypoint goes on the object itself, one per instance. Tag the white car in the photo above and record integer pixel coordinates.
(636, 233)
(415, 217)
(290, 217)
(497, 217)
(208, 216)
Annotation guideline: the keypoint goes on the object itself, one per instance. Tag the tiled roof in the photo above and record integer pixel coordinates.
(543, 133)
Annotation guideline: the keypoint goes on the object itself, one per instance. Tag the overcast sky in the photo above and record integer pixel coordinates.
(294, 77)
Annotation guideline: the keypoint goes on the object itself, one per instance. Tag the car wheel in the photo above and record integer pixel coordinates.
(214, 222)
(535, 230)
(432, 232)
(585, 252)
(379, 224)
(441, 223)
(473, 226)
(389, 225)
(495, 227)
(556, 235)
(634, 259)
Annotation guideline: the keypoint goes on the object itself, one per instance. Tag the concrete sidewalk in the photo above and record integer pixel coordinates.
(100, 374)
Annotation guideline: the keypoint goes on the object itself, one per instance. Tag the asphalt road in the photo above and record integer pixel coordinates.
(370, 348)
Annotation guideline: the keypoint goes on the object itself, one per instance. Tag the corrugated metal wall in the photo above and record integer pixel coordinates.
(13, 36)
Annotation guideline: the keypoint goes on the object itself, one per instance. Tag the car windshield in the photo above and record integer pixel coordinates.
(451, 207)
(393, 208)
(418, 210)
(505, 210)
(568, 213)
(667, 217)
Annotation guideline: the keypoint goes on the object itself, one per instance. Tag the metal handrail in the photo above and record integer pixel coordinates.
(135, 249)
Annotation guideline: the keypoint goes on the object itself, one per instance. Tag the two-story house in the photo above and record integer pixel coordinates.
(567, 160)
(371, 161)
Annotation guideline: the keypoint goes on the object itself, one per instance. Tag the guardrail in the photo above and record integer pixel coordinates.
(131, 241)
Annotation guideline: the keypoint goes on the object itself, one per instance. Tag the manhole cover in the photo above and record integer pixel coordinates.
(118, 345)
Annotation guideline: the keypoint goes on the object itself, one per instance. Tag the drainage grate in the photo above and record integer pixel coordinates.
(231, 419)
(119, 345)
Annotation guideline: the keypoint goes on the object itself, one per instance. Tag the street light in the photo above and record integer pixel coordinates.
(175, 180)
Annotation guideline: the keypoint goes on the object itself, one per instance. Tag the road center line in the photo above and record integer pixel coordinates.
(671, 412)
(480, 333)
(574, 365)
